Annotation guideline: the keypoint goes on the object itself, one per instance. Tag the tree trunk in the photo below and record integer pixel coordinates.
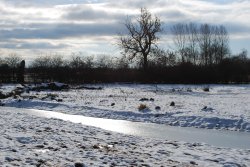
(145, 62)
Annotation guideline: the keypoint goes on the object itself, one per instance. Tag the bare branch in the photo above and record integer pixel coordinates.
(141, 37)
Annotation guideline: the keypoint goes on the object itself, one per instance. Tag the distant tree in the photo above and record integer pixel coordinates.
(243, 54)
(205, 43)
(222, 44)
(121, 62)
(162, 58)
(41, 62)
(185, 37)
(41, 68)
(213, 42)
(179, 32)
(192, 32)
(104, 61)
(76, 61)
(4, 71)
(141, 37)
(56, 61)
(89, 61)
(13, 60)
(2, 61)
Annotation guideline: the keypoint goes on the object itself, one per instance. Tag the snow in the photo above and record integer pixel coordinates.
(223, 107)
(7, 88)
(33, 141)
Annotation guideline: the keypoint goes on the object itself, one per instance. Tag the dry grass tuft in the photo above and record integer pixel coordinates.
(142, 107)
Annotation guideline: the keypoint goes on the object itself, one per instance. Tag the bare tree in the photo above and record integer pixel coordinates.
(223, 43)
(104, 61)
(122, 62)
(41, 62)
(192, 32)
(163, 58)
(213, 42)
(2, 61)
(243, 54)
(185, 37)
(13, 60)
(56, 61)
(79, 61)
(205, 43)
(76, 62)
(89, 61)
(141, 37)
(180, 39)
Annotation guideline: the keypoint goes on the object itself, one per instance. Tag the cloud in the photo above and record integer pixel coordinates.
(31, 45)
(44, 3)
(59, 24)
(89, 13)
(60, 31)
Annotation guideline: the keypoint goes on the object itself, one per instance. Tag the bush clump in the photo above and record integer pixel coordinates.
(206, 89)
(142, 107)
(172, 104)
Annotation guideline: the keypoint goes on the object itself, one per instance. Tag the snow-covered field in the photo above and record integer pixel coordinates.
(32, 141)
(222, 107)
(29, 140)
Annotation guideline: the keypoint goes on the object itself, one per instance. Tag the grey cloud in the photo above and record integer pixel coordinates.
(41, 45)
(44, 3)
(175, 14)
(88, 13)
(31, 45)
(5, 12)
(221, 2)
(136, 4)
(108, 23)
(68, 30)
(231, 27)
(235, 28)
(60, 31)
(132, 3)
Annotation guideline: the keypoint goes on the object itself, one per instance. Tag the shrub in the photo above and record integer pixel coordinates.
(172, 104)
(142, 107)
(158, 108)
(206, 89)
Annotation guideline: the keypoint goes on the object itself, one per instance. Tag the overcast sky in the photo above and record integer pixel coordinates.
(34, 27)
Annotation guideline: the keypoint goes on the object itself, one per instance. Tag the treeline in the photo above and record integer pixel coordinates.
(167, 68)
(12, 69)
